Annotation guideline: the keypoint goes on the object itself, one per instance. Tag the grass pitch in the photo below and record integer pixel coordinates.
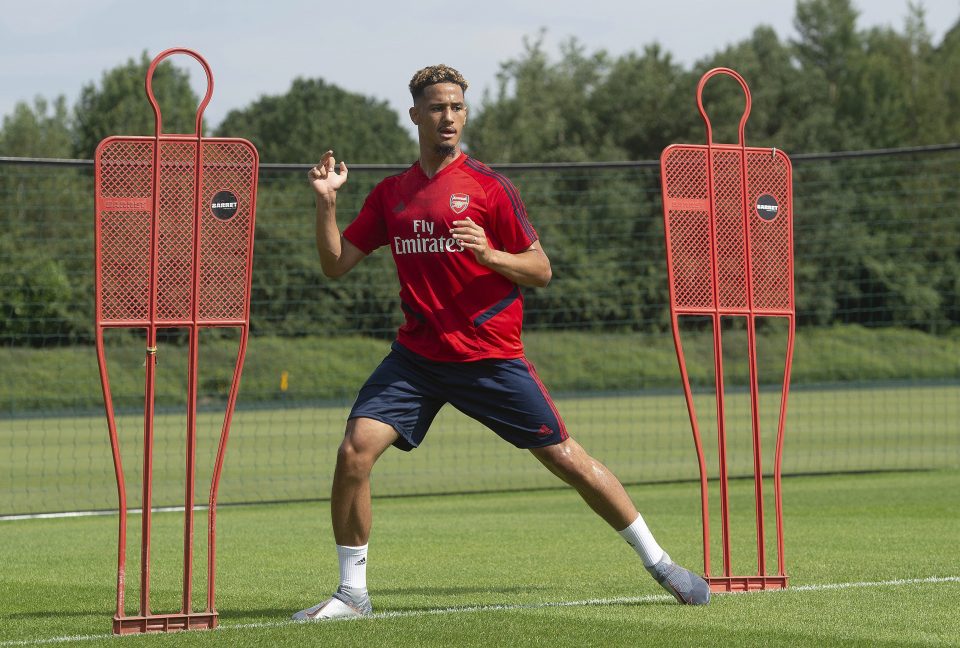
(64, 463)
(872, 561)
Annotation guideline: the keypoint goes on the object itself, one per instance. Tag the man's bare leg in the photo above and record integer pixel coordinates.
(599, 488)
(363, 443)
(604, 493)
(352, 516)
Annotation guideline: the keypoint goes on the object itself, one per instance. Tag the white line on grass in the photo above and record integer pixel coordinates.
(400, 614)
(76, 514)
(889, 583)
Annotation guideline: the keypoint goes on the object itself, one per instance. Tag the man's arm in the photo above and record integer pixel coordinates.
(528, 268)
(337, 255)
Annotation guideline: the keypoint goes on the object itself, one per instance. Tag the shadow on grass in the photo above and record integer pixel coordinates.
(389, 591)
(272, 615)
(59, 613)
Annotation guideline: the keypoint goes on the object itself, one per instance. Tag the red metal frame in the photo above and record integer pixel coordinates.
(164, 259)
(726, 260)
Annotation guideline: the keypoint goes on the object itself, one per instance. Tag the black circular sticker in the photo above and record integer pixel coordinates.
(224, 205)
(767, 207)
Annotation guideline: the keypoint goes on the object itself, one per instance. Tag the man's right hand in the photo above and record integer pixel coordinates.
(323, 177)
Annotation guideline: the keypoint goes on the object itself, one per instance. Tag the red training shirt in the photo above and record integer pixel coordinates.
(456, 309)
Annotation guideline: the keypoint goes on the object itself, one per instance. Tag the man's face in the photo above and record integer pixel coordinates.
(440, 115)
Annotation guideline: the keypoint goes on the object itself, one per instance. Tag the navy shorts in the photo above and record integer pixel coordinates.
(407, 390)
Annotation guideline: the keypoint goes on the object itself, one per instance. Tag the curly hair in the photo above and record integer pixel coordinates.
(433, 74)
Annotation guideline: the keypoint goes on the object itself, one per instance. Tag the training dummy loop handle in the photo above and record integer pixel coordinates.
(703, 113)
(153, 100)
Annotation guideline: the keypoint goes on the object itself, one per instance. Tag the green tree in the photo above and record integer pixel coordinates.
(884, 88)
(542, 112)
(32, 132)
(644, 103)
(119, 105)
(42, 280)
(829, 40)
(830, 51)
(314, 116)
(943, 107)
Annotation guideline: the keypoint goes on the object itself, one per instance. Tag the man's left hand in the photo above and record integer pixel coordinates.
(473, 238)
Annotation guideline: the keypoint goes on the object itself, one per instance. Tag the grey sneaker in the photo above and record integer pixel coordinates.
(686, 587)
(339, 606)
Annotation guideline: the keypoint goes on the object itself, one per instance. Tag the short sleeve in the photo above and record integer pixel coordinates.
(510, 222)
(368, 231)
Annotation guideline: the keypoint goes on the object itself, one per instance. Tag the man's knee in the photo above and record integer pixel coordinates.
(363, 443)
(350, 458)
(567, 460)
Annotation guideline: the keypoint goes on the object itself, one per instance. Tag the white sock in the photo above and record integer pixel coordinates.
(353, 569)
(639, 537)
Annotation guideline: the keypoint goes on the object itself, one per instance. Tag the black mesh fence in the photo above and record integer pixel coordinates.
(876, 377)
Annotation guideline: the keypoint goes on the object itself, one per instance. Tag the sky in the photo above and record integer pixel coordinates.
(54, 47)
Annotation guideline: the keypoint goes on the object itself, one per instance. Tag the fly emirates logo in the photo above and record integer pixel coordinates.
(424, 242)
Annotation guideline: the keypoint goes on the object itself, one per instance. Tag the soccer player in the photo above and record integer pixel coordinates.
(463, 246)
